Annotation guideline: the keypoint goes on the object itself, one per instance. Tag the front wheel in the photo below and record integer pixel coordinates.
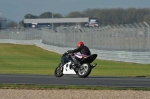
(59, 71)
(84, 70)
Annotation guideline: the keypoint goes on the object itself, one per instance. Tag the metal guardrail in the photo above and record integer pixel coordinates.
(125, 56)
(128, 43)
(21, 34)
(117, 38)
(135, 37)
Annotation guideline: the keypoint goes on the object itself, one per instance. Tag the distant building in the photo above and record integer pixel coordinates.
(3, 23)
(48, 22)
(93, 22)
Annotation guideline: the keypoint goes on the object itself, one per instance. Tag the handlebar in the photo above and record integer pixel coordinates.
(67, 53)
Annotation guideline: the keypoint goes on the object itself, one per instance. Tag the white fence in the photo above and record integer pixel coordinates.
(128, 43)
(112, 38)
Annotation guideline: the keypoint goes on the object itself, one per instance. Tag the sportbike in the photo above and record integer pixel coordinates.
(83, 67)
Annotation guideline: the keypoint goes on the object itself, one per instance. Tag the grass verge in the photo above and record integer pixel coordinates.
(29, 59)
(50, 87)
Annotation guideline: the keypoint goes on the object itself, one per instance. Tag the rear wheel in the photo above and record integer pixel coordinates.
(59, 71)
(84, 70)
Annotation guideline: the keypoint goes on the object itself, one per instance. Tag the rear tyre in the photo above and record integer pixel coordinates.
(84, 70)
(59, 71)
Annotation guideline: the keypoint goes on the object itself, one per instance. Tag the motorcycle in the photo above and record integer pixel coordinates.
(83, 67)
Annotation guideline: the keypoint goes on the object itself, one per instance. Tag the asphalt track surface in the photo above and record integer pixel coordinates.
(75, 80)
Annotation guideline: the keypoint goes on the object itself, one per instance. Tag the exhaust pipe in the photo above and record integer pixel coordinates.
(93, 65)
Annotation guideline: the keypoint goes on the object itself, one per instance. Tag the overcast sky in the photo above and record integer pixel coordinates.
(16, 9)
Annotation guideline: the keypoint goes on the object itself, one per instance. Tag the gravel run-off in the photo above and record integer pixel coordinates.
(72, 94)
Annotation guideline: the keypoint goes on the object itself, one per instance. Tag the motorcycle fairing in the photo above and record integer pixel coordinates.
(67, 69)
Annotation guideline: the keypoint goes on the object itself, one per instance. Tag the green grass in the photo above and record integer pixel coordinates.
(29, 59)
(26, 59)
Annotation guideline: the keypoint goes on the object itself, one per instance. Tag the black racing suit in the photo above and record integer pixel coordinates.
(82, 49)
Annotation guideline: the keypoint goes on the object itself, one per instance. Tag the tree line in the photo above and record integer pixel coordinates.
(106, 16)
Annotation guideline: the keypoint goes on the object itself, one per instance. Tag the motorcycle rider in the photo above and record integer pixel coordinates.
(84, 50)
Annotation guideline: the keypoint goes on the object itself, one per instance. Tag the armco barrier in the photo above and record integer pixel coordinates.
(125, 56)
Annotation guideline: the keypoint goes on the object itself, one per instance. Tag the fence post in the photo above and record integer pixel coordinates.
(148, 36)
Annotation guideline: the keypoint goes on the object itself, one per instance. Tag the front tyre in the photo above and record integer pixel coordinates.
(84, 70)
(59, 71)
